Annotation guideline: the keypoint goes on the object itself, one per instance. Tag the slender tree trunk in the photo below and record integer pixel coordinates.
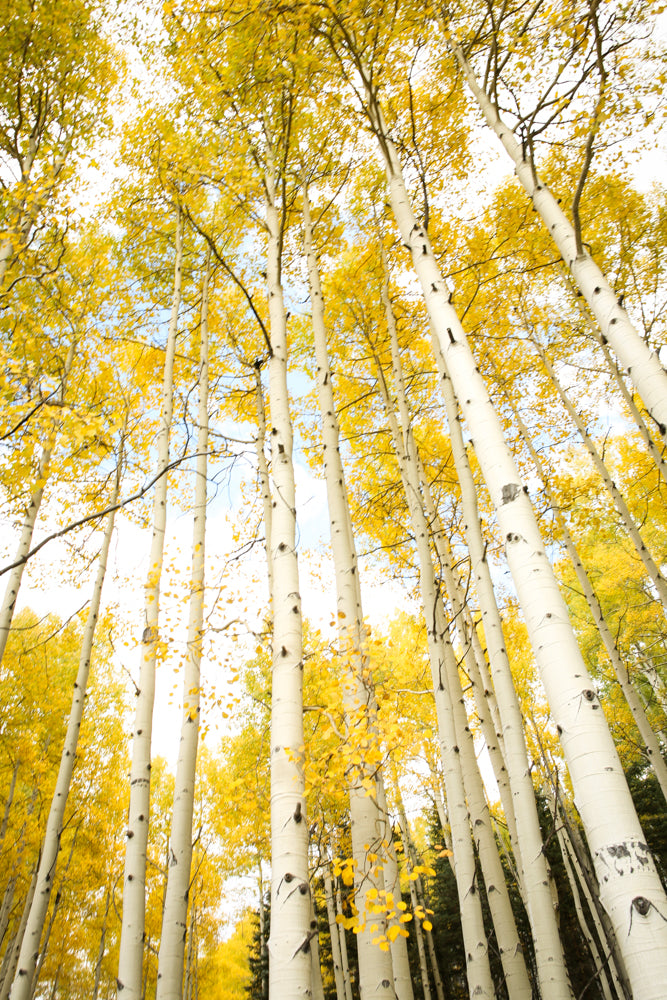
(174, 920)
(130, 961)
(25, 972)
(333, 931)
(399, 946)
(474, 659)
(621, 506)
(263, 469)
(480, 983)
(263, 954)
(347, 979)
(8, 806)
(376, 978)
(289, 959)
(100, 950)
(314, 946)
(642, 364)
(632, 892)
(15, 575)
(535, 882)
(516, 975)
(652, 748)
(581, 918)
(654, 451)
(18, 940)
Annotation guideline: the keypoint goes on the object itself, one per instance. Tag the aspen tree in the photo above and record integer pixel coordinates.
(652, 448)
(474, 935)
(333, 930)
(174, 918)
(375, 965)
(289, 958)
(56, 73)
(23, 985)
(631, 889)
(516, 976)
(398, 946)
(30, 517)
(635, 356)
(534, 874)
(652, 570)
(130, 960)
(651, 745)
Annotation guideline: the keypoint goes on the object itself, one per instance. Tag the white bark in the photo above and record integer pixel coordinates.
(130, 959)
(534, 873)
(23, 981)
(474, 659)
(366, 824)
(14, 947)
(289, 959)
(347, 979)
(174, 918)
(30, 519)
(654, 451)
(399, 946)
(333, 932)
(651, 747)
(630, 885)
(581, 918)
(314, 946)
(621, 506)
(480, 983)
(263, 469)
(516, 976)
(641, 363)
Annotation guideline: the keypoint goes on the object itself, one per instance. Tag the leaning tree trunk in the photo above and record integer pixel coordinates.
(134, 885)
(289, 959)
(652, 448)
(534, 871)
(376, 978)
(641, 363)
(516, 976)
(631, 887)
(651, 747)
(30, 518)
(174, 918)
(22, 986)
(627, 520)
(480, 983)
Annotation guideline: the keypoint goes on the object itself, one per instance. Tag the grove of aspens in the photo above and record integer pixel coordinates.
(333, 484)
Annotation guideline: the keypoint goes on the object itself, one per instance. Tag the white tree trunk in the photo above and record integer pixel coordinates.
(130, 959)
(174, 918)
(630, 886)
(581, 918)
(642, 364)
(534, 874)
(516, 976)
(290, 974)
(376, 978)
(347, 979)
(23, 981)
(333, 931)
(392, 884)
(621, 506)
(30, 519)
(651, 747)
(263, 469)
(480, 983)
